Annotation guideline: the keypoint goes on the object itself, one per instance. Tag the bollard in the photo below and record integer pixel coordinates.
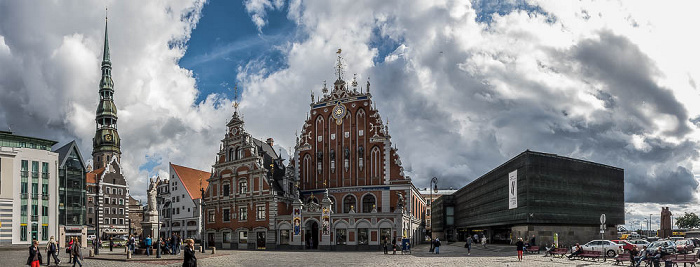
(213, 250)
(128, 254)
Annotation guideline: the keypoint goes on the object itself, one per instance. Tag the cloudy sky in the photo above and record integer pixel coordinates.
(465, 85)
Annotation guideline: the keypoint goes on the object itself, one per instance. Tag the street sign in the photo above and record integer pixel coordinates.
(602, 231)
(602, 218)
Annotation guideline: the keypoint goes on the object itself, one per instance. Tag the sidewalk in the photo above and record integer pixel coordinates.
(120, 255)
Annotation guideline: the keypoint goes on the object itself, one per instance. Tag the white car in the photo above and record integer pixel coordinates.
(90, 237)
(639, 243)
(611, 248)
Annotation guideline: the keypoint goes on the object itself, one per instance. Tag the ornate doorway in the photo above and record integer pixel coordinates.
(312, 235)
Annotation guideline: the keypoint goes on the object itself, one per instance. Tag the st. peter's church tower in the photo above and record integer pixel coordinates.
(106, 143)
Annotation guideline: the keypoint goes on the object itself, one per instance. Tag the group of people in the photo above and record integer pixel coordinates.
(171, 245)
(637, 257)
(392, 245)
(52, 248)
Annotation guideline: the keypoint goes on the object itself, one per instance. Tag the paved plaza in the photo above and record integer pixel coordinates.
(450, 255)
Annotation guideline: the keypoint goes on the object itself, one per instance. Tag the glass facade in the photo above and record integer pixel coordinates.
(71, 190)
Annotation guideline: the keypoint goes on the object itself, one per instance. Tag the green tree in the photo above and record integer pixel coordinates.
(688, 221)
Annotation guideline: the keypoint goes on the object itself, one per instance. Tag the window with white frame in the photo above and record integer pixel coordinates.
(260, 214)
(227, 215)
(243, 214)
(212, 216)
(243, 186)
(243, 237)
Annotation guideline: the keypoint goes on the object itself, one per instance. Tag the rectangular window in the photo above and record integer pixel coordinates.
(243, 237)
(385, 234)
(106, 220)
(260, 213)
(90, 210)
(114, 220)
(121, 201)
(212, 216)
(44, 232)
(243, 186)
(106, 211)
(121, 211)
(23, 233)
(35, 170)
(243, 214)
(284, 237)
(227, 215)
(106, 200)
(227, 237)
(450, 215)
(362, 236)
(340, 236)
(45, 170)
(121, 221)
(226, 190)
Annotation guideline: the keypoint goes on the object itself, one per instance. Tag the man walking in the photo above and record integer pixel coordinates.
(111, 244)
(148, 244)
(77, 254)
(437, 245)
(52, 251)
(468, 245)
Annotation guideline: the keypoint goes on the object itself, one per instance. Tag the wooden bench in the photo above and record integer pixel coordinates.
(593, 255)
(684, 258)
(559, 251)
(533, 249)
(621, 258)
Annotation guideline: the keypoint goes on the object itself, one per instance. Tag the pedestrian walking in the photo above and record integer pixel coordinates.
(178, 244)
(437, 245)
(190, 260)
(68, 250)
(111, 243)
(77, 254)
(34, 259)
(148, 242)
(483, 240)
(520, 246)
(532, 241)
(476, 238)
(393, 245)
(386, 245)
(468, 245)
(52, 251)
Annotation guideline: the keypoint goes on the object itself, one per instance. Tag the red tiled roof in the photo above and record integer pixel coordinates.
(91, 177)
(192, 179)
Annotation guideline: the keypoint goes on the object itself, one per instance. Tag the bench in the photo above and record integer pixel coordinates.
(621, 258)
(559, 251)
(683, 258)
(593, 255)
(533, 249)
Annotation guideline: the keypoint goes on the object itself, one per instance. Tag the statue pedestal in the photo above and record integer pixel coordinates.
(150, 225)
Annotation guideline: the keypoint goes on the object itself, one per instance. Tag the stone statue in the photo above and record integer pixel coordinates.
(152, 196)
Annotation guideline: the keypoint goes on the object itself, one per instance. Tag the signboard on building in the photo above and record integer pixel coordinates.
(513, 189)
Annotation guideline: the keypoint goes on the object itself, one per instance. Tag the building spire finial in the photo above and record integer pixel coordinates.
(105, 53)
(339, 65)
(235, 99)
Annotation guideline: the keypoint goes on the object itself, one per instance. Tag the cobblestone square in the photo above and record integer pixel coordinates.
(450, 255)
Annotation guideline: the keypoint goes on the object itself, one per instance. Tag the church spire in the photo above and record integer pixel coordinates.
(105, 54)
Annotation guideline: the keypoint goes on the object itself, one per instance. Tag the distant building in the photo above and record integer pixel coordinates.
(164, 204)
(28, 189)
(72, 194)
(135, 216)
(537, 194)
(186, 185)
(429, 198)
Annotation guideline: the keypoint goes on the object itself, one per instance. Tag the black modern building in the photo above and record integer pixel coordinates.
(539, 194)
(71, 194)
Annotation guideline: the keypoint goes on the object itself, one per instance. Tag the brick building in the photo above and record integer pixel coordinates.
(344, 188)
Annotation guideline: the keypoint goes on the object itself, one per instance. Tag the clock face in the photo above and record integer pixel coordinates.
(108, 137)
(339, 111)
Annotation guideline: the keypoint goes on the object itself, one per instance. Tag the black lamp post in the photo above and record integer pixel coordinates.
(162, 200)
(203, 221)
(433, 183)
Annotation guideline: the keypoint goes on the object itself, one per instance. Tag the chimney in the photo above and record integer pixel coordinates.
(270, 141)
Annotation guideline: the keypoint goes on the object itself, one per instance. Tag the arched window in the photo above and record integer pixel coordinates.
(239, 153)
(376, 163)
(348, 203)
(230, 154)
(307, 168)
(368, 202)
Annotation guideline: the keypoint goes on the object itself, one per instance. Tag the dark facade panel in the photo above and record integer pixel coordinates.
(551, 190)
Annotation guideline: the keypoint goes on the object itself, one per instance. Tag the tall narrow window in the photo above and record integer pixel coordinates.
(243, 214)
(348, 203)
(226, 190)
(243, 186)
(376, 161)
(368, 203)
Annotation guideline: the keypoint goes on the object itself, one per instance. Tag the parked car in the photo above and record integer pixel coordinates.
(626, 245)
(640, 243)
(608, 247)
(667, 246)
(90, 237)
(685, 246)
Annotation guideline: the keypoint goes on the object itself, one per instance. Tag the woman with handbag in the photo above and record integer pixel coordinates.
(190, 259)
(34, 259)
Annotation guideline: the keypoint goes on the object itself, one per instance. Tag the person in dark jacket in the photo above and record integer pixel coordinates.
(386, 245)
(52, 251)
(77, 254)
(437, 245)
(520, 246)
(34, 259)
(190, 260)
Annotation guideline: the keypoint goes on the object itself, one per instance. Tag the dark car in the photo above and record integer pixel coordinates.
(685, 246)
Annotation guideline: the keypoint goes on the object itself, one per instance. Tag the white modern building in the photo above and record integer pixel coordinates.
(186, 186)
(28, 189)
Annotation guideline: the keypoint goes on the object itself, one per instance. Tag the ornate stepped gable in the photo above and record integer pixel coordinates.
(344, 141)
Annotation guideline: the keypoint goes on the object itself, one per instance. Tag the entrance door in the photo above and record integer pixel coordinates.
(261, 240)
(210, 240)
(312, 235)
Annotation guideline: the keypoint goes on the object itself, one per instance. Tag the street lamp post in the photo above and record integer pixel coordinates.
(433, 183)
(201, 208)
